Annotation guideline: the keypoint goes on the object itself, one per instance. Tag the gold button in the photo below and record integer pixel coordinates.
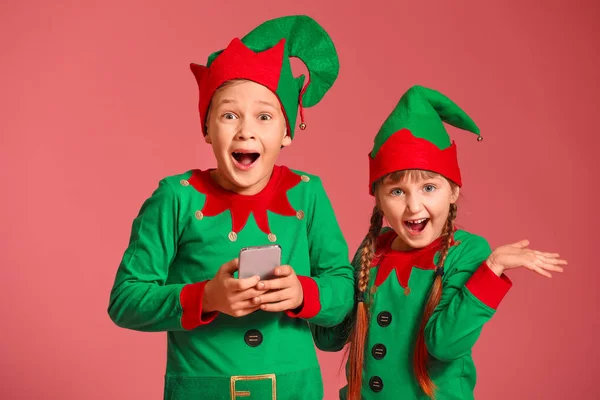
(272, 237)
(373, 289)
(184, 182)
(300, 214)
(305, 178)
(232, 236)
(407, 291)
(199, 215)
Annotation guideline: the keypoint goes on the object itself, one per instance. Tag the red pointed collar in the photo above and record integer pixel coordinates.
(272, 198)
(401, 261)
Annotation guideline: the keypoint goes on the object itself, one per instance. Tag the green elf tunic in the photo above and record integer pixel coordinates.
(398, 290)
(185, 231)
(413, 137)
(190, 226)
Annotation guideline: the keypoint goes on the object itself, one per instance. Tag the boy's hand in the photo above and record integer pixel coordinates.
(284, 292)
(229, 295)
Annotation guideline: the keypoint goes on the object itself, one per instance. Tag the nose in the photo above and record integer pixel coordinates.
(246, 131)
(414, 203)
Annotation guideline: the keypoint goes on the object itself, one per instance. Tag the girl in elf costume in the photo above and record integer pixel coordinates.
(425, 289)
(234, 338)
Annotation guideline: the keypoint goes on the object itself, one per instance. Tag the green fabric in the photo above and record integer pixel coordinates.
(423, 112)
(450, 333)
(170, 247)
(287, 386)
(306, 40)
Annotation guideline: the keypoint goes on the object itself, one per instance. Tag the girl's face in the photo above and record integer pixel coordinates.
(416, 207)
(246, 128)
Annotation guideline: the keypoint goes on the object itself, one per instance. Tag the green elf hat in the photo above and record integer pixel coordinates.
(414, 136)
(263, 56)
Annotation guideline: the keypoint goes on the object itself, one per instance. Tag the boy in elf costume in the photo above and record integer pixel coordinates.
(234, 338)
(424, 288)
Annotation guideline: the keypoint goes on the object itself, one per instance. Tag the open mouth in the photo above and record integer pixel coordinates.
(245, 160)
(416, 226)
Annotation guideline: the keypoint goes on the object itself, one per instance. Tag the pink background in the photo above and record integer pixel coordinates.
(97, 104)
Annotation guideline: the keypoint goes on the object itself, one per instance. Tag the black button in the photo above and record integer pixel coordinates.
(376, 384)
(253, 338)
(378, 351)
(384, 318)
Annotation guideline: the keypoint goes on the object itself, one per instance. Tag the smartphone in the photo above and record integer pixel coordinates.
(259, 260)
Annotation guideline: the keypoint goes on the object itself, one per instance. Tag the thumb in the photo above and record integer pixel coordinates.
(230, 267)
(522, 244)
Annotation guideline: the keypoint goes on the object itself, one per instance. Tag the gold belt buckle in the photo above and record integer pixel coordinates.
(235, 394)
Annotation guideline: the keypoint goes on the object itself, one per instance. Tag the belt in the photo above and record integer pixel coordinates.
(239, 379)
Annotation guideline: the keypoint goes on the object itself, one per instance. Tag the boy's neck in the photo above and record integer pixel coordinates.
(244, 191)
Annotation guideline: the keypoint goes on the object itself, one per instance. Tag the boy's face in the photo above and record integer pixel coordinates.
(417, 209)
(246, 128)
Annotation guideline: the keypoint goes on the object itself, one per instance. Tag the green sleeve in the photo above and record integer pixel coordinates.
(140, 299)
(335, 338)
(458, 320)
(333, 298)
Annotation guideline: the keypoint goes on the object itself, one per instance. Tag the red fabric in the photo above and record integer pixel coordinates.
(272, 198)
(401, 261)
(191, 302)
(311, 304)
(404, 151)
(238, 62)
(488, 287)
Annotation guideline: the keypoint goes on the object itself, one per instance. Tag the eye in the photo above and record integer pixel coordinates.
(229, 115)
(429, 188)
(396, 192)
(265, 117)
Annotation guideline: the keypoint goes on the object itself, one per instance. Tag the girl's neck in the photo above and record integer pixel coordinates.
(399, 245)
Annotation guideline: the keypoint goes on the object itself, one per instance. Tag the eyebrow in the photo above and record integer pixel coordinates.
(232, 101)
(266, 103)
(405, 182)
(226, 101)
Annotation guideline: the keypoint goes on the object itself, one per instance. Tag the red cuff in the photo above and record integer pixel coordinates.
(311, 305)
(488, 287)
(191, 301)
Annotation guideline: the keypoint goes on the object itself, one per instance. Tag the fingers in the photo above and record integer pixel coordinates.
(554, 260)
(273, 297)
(533, 266)
(277, 307)
(274, 284)
(544, 254)
(552, 268)
(284, 270)
(249, 294)
(543, 272)
(521, 244)
(550, 263)
(240, 285)
(230, 267)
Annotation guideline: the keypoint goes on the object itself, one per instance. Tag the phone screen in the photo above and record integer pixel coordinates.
(259, 260)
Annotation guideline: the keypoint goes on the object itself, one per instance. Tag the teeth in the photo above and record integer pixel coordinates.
(417, 221)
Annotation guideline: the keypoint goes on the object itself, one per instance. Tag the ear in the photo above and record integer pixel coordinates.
(454, 195)
(287, 140)
(207, 138)
(385, 221)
